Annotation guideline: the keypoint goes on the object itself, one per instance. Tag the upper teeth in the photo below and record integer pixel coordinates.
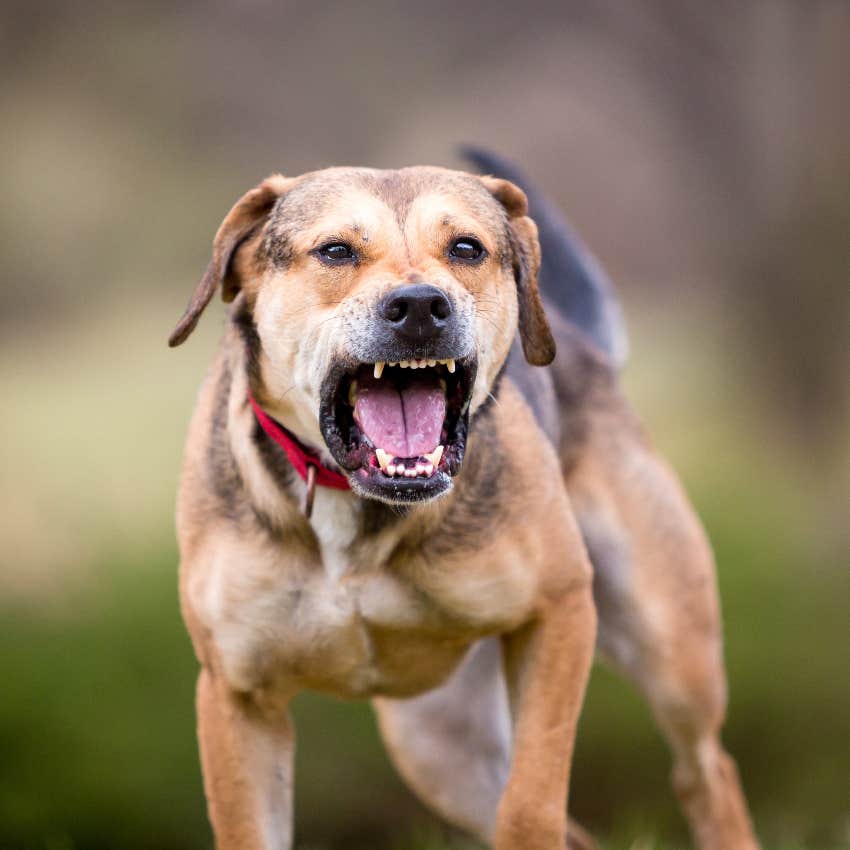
(435, 456)
(414, 364)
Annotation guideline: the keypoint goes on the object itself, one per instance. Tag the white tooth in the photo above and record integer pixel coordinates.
(451, 365)
(429, 469)
(394, 363)
(432, 363)
(390, 470)
(379, 368)
(435, 456)
(399, 469)
(420, 468)
(352, 393)
(443, 386)
(384, 458)
(403, 364)
(410, 473)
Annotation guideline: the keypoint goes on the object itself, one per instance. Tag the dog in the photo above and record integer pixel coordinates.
(384, 495)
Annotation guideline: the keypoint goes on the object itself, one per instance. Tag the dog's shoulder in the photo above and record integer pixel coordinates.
(232, 475)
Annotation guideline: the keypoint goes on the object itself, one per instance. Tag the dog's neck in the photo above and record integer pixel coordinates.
(342, 521)
(274, 488)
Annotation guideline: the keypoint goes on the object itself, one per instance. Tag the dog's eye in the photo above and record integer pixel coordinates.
(466, 248)
(336, 252)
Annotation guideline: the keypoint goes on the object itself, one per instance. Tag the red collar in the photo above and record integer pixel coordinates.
(299, 456)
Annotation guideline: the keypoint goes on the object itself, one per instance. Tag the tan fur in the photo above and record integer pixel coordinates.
(359, 601)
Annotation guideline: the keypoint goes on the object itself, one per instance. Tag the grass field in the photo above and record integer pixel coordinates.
(96, 714)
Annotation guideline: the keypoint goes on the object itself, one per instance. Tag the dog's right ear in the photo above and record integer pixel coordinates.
(240, 223)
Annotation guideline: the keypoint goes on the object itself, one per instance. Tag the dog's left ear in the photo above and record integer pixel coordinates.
(538, 345)
(239, 224)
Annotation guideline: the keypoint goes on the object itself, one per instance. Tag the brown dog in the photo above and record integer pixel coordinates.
(379, 499)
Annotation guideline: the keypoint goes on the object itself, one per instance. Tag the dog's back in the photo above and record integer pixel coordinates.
(571, 280)
(586, 320)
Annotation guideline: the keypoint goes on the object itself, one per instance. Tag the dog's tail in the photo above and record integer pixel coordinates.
(570, 276)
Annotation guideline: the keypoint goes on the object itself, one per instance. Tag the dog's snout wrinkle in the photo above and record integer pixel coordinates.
(416, 312)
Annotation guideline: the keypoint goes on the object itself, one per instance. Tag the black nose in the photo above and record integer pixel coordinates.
(417, 312)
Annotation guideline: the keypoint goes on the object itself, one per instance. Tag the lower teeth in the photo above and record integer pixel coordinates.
(423, 467)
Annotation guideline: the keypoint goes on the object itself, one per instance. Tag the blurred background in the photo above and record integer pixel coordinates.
(702, 150)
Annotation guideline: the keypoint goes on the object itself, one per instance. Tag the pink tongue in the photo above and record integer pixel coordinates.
(404, 423)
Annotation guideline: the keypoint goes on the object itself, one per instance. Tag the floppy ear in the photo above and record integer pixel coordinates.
(538, 345)
(239, 224)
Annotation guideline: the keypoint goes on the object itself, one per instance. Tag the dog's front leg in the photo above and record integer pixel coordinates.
(547, 664)
(247, 744)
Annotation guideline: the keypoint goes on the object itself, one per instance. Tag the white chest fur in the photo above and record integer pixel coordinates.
(334, 523)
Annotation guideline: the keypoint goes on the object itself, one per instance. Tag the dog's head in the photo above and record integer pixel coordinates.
(381, 306)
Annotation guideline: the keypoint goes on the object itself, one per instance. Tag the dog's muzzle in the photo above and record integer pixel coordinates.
(395, 414)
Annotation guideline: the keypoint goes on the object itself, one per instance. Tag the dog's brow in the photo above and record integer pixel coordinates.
(397, 190)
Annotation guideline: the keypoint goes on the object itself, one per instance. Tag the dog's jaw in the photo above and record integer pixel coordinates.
(387, 457)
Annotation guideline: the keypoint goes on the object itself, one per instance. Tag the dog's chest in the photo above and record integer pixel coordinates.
(332, 623)
(350, 634)
(339, 624)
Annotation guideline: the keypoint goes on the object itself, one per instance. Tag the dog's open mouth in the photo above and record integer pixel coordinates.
(399, 428)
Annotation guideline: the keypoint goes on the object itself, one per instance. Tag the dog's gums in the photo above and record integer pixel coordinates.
(399, 427)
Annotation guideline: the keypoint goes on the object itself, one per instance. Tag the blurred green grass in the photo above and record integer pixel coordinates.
(97, 717)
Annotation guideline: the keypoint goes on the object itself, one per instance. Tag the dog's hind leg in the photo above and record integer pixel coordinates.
(659, 620)
(453, 745)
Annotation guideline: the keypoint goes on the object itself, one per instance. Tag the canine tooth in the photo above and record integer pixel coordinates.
(429, 469)
(379, 369)
(435, 456)
(450, 364)
(352, 393)
(384, 458)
